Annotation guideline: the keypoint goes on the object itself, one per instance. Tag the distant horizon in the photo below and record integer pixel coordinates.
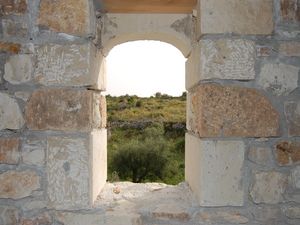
(143, 68)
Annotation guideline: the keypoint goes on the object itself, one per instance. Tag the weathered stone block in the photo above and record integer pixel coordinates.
(292, 212)
(34, 152)
(68, 218)
(65, 109)
(9, 47)
(278, 78)
(221, 59)
(40, 219)
(288, 153)
(14, 28)
(171, 212)
(214, 171)
(290, 10)
(70, 65)
(9, 215)
(235, 16)
(215, 111)
(19, 69)
(219, 217)
(268, 187)
(292, 114)
(9, 150)
(260, 155)
(290, 49)
(10, 114)
(66, 17)
(8, 7)
(18, 184)
(295, 177)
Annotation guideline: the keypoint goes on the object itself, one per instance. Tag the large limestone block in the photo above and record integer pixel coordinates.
(10, 114)
(221, 59)
(66, 16)
(65, 109)
(18, 184)
(9, 150)
(236, 16)
(214, 171)
(76, 170)
(229, 111)
(292, 113)
(70, 65)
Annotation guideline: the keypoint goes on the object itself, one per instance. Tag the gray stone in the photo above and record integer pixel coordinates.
(171, 212)
(295, 177)
(14, 28)
(10, 113)
(266, 213)
(260, 155)
(22, 95)
(292, 212)
(268, 187)
(214, 171)
(278, 78)
(292, 114)
(80, 218)
(9, 215)
(33, 152)
(9, 151)
(221, 217)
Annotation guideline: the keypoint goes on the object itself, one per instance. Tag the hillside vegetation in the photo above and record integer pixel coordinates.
(146, 138)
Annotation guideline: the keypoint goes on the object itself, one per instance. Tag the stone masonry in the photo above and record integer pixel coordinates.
(242, 157)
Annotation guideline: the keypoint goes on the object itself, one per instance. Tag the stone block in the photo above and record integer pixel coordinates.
(171, 212)
(65, 109)
(292, 114)
(34, 152)
(268, 187)
(288, 153)
(14, 28)
(290, 49)
(235, 16)
(69, 218)
(221, 217)
(66, 17)
(76, 170)
(40, 219)
(18, 184)
(70, 65)
(290, 10)
(295, 177)
(9, 215)
(227, 111)
(292, 212)
(16, 7)
(9, 151)
(214, 171)
(8, 47)
(10, 114)
(221, 59)
(260, 155)
(19, 69)
(278, 78)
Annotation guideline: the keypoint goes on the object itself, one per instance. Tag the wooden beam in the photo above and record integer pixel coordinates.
(147, 6)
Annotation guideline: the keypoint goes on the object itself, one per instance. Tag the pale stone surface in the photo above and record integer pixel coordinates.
(290, 49)
(268, 187)
(65, 109)
(295, 176)
(266, 213)
(65, 16)
(14, 28)
(260, 155)
(214, 171)
(33, 152)
(215, 110)
(9, 150)
(19, 69)
(68, 172)
(212, 217)
(292, 114)
(9, 215)
(39, 219)
(235, 16)
(23, 95)
(18, 184)
(221, 59)
(278, 78)
(168, 212)
(175, 29)
(68, 218)
(292, 212)
(288, 153)
(10, 113)
(70, 65)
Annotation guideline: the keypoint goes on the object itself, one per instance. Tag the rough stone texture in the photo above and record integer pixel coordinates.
(9, 215)
(22, 95)
(292, 212)
(290, 49)
(40, 219)
(288, 153)
(235, 16)
(12, 29)
(19, 69)
(18, 184)
(268, 187)
(9, 150)
(8, 7)
(292, 113)
(267, 214)
(214, 171)
(68, 172)
(70, 65)
(221, 59)
(65, 16)
(68, 218)
(9, 47)
(290, 10)
(33, 152)
(65, 109)
(10, 113)
(171, 212)
(279, 79)
(217, 217)
(295, 177)
(215, 110)
(260, 155)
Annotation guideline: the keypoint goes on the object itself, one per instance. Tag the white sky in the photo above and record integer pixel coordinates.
(143, 68)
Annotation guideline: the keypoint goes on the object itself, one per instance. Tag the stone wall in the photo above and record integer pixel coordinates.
(243, 113)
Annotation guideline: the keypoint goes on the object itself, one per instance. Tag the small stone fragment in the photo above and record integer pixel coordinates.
(288, 153)
(8, 7)
(290, 10)
(260, 155)
(290, 49)
(33, 152)
(9, 150)
(295, 176)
